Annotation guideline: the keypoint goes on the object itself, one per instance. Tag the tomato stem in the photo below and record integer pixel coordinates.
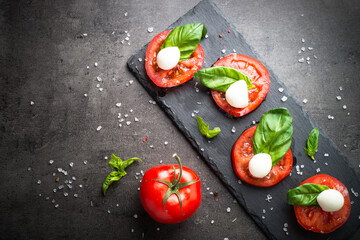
(180, 174)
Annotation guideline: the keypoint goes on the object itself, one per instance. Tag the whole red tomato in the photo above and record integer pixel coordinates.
(170, 193)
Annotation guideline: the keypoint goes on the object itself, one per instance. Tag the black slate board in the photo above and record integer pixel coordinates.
(181, 103)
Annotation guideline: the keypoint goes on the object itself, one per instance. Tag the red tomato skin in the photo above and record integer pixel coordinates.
(317, 220)
(181, 73)
(152, 194)
(242, 154)
(258, 75)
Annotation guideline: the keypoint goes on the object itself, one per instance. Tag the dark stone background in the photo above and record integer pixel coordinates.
(43, 59)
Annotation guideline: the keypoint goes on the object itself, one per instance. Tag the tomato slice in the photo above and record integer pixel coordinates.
(242, 154)
(180, 74)
(259, 76)
(317, 220)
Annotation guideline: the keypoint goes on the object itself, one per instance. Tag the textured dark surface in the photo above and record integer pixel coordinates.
(43, 58)
(182, 105)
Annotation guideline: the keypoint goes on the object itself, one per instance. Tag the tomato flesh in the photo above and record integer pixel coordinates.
(317, 220)
(242, 154)
(180, 74)
(152, 194)
(258, 75)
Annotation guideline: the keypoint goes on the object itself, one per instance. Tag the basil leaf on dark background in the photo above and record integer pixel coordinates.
(204, 129)
(312, 143)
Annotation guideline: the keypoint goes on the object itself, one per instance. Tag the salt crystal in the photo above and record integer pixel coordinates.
(348, 114)
(38, 182)
(96, 64)
(308, 58)
(60, 187)
(71, 164)
(127, 38)
(303, 49)
(108, 211)
(299, 51)
(206, 36)
(223, 51)
(202, 149)
(56, 205)
(330, 117)
(54, 190)
(80, 185)
(66, 194)
(101, 89)
(345, 146)
(136, 119)
(126, 14)
(135, 215)
(73, 178)
(340, 88)
(132, 230)
(284, 98)
(281, 89)
(76, 195)
(131, 110)
(344, 107)
(253, 122)
(151, 146)
(85, 162)
(233, 130)
(99, 79)
(150, 29)
(338, 98)
(326, 154)
(318, 170)
(166, 142)
(228, 209)
(305, 101)
(85, 95)
(310, 48)
(99, 128)
(303, 40)
(158, 229)
(315, 56)
(212, 221)
(87, 67)
(32, 103)
(128, 123)
(51, 162)
(301, 60)
(264, 211)
(29, 169)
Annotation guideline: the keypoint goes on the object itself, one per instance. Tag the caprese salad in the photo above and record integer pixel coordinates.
(261, 156)
(173, 56)
(238, 83)
(321, 203)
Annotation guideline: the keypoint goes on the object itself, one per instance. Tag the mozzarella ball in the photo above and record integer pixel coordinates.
(168, 58)
(260, 165)
(237, 94)
(330, 200)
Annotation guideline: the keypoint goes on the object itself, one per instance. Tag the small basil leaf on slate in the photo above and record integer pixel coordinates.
(186, 38)
(204, 129)
(273, 134)
(305, 195)
(220, 78)
(312, 143)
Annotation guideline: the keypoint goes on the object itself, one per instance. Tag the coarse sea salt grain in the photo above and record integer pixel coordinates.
(98, 128)
(338, 98)
(305, 101)
(344, 107)
(330, 117)
(51, 162)
(228, 209)
(281, 89)
(32, 103)
(233, 130)
(301, 60)
(150, 29)
(223, 51)
(284, 98)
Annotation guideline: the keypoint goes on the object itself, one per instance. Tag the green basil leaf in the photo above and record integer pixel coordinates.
(112, 177)
(220, 78)
(273, 134)
(312, 143)
(204, 129)
(186, 38)
(115, 162)
(305, 195)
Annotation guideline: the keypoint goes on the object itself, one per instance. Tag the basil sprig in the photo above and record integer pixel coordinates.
(305, 195)
(116, 163)
(186, 38)
(220, 78)
(312, 143)
(273, 134)
(204, 129)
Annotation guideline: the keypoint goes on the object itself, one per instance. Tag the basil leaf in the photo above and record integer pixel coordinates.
(312, 143)
(220, 78)
(112, 177)
(273, 134)
(204, 129)
(186, 38)
(116, 163)
(305, 195)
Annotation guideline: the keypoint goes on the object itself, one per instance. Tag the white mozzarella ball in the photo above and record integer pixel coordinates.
(260, 165)
(237, 94)
(168, 58)
(330, 200)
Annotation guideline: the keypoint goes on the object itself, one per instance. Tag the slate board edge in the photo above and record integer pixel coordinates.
(150, 88)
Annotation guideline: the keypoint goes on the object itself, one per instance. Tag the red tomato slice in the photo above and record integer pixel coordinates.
(181, 73)
(242, 154)
(317, 220)
(152, 194)
(258, 75)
